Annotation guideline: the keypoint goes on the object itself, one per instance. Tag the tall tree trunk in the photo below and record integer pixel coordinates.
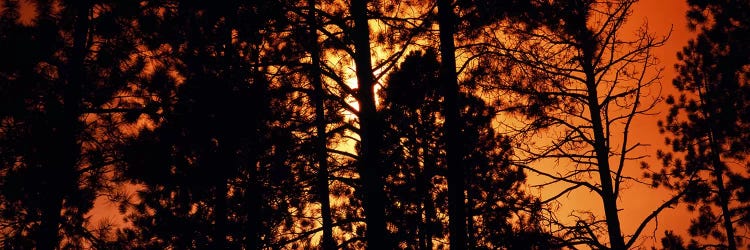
(718, 170)
(255, 194)
(609, 200)
(429, 204)
(253, 201)
(327, 241)
(424, 182)
(724, 203)
(454, 154)
(62, 177)
(222, 161)
(220, 213)
(718, 173)
(371, 174)
(470, 223)
(50, 221)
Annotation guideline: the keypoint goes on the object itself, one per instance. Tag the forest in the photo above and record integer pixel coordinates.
(371, 124)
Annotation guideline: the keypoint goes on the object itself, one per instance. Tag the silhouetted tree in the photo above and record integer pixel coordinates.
(499, 213)
(370, 173)
(708, 122)
(63, 77)
(578, 82)
(226, 167)
(327, 241)
(456, 171)
(347, 40)
(413, 144)
(470, 19)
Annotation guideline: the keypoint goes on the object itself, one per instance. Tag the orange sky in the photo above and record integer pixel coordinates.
(662, 15)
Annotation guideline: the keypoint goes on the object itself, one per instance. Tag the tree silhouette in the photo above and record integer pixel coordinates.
(369, 126)
(327, 242)
(225, 168)
(708, 122)
(456, 172)
(412, 142)
(499, 213)
(578, 83)
(63, 77)
(476, 15)
(347, 40)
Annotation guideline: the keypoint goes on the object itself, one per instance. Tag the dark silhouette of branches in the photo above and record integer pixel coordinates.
(707, 123)
(577, 81)
(359, 124)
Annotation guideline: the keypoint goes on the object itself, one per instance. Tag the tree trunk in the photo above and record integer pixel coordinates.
(718, 170)
(62, 177)
(471, 226)
(223, 160)
(724, 203)
(254, 195)
(51, 219)
(449, 79)
(254, 221)
(718, 173)
(220, 214)
(371, 174)
(327, 241)
(424, 181)
(617, 241)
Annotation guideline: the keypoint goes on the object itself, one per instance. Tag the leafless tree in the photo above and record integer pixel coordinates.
(572, 88)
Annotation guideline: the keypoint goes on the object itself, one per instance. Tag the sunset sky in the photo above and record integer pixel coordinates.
(662, 16)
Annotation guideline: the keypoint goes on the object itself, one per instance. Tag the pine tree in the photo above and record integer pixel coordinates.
(708, 122)
(499, 213)
(63, 77)
(225, 167)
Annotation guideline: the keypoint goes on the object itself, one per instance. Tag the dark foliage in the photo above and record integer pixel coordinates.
(417, 176)
(708, 122)
(62, 78)
(224, 169)
(232, 137)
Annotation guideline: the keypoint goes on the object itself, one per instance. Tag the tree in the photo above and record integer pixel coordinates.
(456, 173)
(63, 77)
(476, 15)
(412, 141)
(499, 213)
(327, 241)
(576, 81)
(347, 37)
(708, 122)
(225, 167)
(369, 126)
